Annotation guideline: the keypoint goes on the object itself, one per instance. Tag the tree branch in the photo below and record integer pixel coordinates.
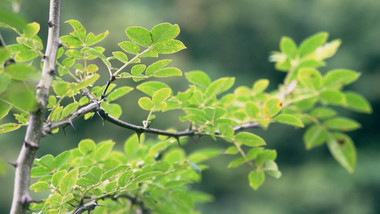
(21, 197)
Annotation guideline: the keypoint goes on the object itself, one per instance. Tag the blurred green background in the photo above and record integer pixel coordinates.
(235, 38)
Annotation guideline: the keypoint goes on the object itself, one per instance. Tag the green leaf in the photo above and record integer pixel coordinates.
(309, 45)
(164, 32)
(57, 177)
(168, 47)
(289, 119)
(39, 186)
(71, 41)
(146, 176)
(342, 124)
(271, 168)
(74, 54)
(131, 145)
(119, 92)
(79, 31)
(314, 136)
(103, 149)
(145, 103)
(94, 174)
(219, 86)
(112, 109)
(139, 35)
(203, 155)
(323, 112)
(114, 172)
(138, 69)
(87, 145)
(68, 181)
(85, 83)
(125, 177)
(129, 47)
(340, 77)
(91, 68)
(21, 72)
(92, 39)
(310, 78)
(288, 47)
(39, 171)
(157, 66)
(158, 147)
(332, 97)
(249, 139)
(4, 82)
(4, 109)
(23, 99)
(254, 152)
(54, 200)
(260, 85)
(168, 72)
(198, 78)
(122, 57)
(256, 179)
(24, 56)
(356, 102)
(231, 150)
(272, 107)
(161, 95)
(69, 109)
(343, 150)
(31, 29)
(47, 160)
(152, 86)
(182, 199)
(61, 159)
(266, 155)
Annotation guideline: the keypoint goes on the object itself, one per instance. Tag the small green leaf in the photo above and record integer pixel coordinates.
(310, 78)
(47, 160)
(39, 186)
(54, 200)
(157, 66)
(79, 30)
(203, 155)
(39, 171)
(31, 29)
(342, 124)
(125, 177)
(219, 86)
(314, 136)
(343, 150)
(131, 145)
(254, 152)
(152, 86)
(168, 47)
(9, 127)
(85, 83)
(145, 103)
(332, 97)
(91, 68)
(114, 172)
(260, 85)
(356, 102)
(138, 69)
(158, 147)
(310, 44)
(94, 174)
(24, 56)
(272, 107)
(112, 109)
(161, 95)
(139, 35)
(256, 179)
(57, 177)
(182, 199)
(103, 149)
(69, 109)
(122, 57)
(21, 72)
(4, 109)
(198, 78)
(23, 99)
(119, 92)
(323, 112)
(87, 145)
(61, 159)
(289, 119)
(249, 139)
(74, 54)
(129, 47)
(288, 47)
(164, 32)
(68, 181)
(340, 77)
(271, 168)
(146, 176)
(71, 41)
(92, 39)
(168, 72)
(266, 155)
(232, 150)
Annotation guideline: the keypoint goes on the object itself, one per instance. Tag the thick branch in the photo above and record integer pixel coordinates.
(21, 198)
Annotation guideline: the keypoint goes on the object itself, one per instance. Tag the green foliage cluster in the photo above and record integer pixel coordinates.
(156, 173)
(95, 172)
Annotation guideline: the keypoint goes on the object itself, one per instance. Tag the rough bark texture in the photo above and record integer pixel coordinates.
(21, 197)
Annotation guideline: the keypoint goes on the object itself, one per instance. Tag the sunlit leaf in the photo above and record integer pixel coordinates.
(357, 102)
(256, 179)
(164, 32)
(198, 78)
(314, 136)
(139, 35)
(249, 139)
(343, 150)
(311, 43)
(342, 124)
(168, 47)
(289, 119)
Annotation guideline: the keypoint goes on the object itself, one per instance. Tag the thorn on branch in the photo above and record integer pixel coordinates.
(50, 24)
(51, 72)
(14, 164)
(71, 124)
(138, 133)
(177, 138)
(31, 145)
